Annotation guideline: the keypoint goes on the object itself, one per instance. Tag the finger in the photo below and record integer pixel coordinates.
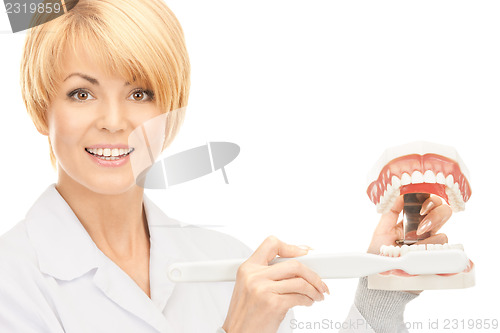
(291, 300)
(293, 268)
(272, 247)
(432, 202)
(399, 230)
(389, 220)
(297, 286)
(434, 220)
(436, 239)
(385, 237)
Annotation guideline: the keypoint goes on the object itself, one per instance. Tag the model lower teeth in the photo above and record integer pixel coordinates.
(396, 251)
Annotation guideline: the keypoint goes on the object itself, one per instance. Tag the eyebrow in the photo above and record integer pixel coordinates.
(88, 78)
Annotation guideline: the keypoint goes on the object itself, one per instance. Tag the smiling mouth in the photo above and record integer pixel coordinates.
(109, 154)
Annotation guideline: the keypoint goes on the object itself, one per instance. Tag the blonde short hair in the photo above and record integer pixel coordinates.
(138, 40)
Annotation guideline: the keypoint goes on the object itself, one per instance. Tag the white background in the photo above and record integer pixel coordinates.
(313, 92)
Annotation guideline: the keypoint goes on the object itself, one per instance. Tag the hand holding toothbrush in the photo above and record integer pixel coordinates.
(264, 293)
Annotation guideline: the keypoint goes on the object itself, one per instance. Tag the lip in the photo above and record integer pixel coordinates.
(111, 163)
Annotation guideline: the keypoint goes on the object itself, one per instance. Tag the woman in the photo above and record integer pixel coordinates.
(92, 252)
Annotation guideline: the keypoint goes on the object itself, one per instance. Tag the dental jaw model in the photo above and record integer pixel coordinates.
(416, 171)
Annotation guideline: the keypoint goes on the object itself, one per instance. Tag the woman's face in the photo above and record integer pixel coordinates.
(90, 120)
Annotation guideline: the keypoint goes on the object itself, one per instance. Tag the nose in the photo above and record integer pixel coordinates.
(112, 117)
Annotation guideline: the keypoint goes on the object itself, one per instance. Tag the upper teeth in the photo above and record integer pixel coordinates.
(109, 151)
(429, 177)
(440, 178)
(417, 177)
(392, 191)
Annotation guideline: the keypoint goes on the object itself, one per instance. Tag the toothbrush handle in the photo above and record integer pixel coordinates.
(330, 266)
(344, 265)
(205, 271)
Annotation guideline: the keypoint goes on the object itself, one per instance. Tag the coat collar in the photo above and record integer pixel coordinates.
(66, 251)
(63, 246)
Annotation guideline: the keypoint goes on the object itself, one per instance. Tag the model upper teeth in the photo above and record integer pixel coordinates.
(109, 153)
(429, 177)
(440, 178)
(396, 251)
(392, 190)
(405, 179)
(418, 178)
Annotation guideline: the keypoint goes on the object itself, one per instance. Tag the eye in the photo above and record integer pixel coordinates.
(80, 95)
(140, 94)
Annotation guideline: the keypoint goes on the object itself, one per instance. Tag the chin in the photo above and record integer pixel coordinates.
(111, 185)
(119, 181)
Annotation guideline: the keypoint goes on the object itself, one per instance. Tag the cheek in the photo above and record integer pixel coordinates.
(65, 129)
(147, 139)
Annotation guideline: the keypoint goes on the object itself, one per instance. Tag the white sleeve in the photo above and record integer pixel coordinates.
(284, 327)
(21, 312)
(24, 307)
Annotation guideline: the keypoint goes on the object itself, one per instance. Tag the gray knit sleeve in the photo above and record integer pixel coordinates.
(382, 309)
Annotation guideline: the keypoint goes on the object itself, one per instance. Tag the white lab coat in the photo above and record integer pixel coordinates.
(54, 279)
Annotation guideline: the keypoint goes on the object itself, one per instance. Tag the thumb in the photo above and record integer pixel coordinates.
(389, 220)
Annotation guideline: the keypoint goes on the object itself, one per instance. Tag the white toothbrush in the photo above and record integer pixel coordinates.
(332, 266)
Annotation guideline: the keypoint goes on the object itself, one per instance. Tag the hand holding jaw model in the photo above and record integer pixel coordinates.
(416, 178)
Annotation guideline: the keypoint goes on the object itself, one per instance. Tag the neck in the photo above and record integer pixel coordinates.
(115, 222)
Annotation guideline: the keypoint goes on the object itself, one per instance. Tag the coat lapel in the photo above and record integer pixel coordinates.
(112, 280)
(122, 290)
(163, 252)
